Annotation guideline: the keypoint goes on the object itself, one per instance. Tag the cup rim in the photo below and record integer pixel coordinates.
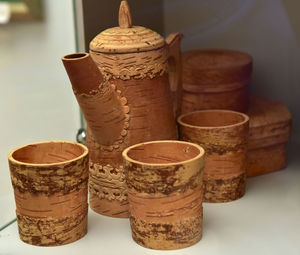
(13, 160)
(127, 158)
(245, 116)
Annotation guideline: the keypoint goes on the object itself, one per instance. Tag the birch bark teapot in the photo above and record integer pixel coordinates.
(126, 88)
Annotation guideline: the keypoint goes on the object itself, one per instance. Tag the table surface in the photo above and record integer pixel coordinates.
(265, 221)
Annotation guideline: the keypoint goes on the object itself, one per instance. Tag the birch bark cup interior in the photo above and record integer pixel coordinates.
(50, 188)
(164, 180)
(224, 136)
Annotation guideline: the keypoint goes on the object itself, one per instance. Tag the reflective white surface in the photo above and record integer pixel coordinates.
(7, 209)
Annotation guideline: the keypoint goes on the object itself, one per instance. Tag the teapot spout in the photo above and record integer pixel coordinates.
(101, 105)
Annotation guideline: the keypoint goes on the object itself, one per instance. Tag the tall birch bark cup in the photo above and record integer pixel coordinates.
(224, 135)
(164, 180)
(50, 188)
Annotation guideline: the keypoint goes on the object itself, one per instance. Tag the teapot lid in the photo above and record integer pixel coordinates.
(126, 38)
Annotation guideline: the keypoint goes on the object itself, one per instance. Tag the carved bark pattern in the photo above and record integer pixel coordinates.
(148, 64)
(126, 110)
(124, 40)
(47, 179)
(107, 182)
(148, 100)
(52, 231)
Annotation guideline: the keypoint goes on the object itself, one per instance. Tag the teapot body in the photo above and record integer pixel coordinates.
(141, 80)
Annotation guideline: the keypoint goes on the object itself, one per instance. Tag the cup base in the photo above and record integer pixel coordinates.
(52, 232)
(167, 236)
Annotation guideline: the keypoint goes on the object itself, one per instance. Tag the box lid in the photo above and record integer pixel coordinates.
(215, 70)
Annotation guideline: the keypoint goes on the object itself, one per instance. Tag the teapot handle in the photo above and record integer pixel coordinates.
(175, 78)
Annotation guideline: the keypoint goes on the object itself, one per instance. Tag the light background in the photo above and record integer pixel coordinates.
(36, 99)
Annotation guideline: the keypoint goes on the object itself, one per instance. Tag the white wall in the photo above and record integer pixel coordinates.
(261, 28)
(36, 99)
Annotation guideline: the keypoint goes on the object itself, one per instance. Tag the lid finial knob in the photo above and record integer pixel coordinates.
(124, 15)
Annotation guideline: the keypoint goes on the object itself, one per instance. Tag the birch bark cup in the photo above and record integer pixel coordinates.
(164, 181)
(224, 135)
(50, 188)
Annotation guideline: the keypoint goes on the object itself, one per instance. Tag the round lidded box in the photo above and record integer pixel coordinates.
(215, 79)
(270, 127)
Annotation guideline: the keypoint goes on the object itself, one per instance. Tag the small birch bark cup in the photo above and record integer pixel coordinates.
(50, 188)
(224, 135)
(164, 181)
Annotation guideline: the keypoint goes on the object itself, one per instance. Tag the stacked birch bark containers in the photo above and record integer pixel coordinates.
(137, 167)
(219, 79)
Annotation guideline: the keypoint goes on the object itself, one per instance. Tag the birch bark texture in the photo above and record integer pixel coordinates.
(270, 129)
(224, 136)
(144, 70)
(50, 187)
(164, 181)
(215, 79)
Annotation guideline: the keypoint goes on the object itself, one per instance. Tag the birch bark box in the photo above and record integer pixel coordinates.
(50, 188)
(270, 126)
(215, 79)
